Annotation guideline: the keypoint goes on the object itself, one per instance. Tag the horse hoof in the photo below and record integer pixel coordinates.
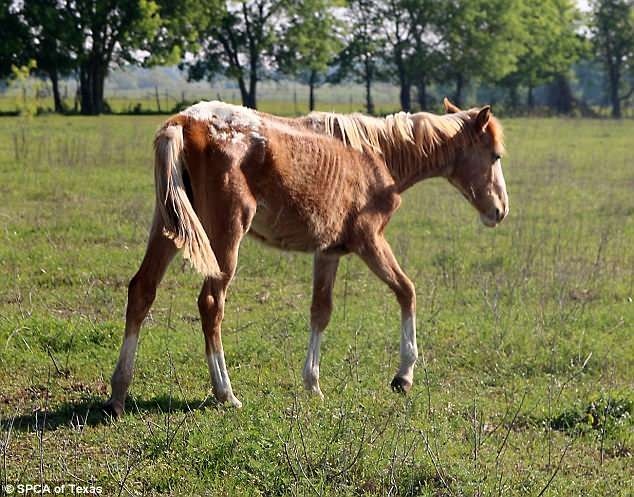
(227, 398)
(113, 408)
(315, 391)
(311, 385)
(401, 385)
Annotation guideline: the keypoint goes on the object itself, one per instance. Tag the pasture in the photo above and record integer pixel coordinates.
(526, 333)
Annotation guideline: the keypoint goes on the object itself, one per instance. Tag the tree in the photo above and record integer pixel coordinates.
(550, 47)
(364, 48)
(311, 42)
(235, 41)
(113, 33)
(87, 37)
(425, 60)
(49, 41)
(613, 37)
(398, 34)
(14, 33)
(480, 39)
(97, 34)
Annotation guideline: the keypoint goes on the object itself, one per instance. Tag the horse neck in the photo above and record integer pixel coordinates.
(410, 162)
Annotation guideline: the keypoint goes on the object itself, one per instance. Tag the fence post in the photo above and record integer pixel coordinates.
(158, 99)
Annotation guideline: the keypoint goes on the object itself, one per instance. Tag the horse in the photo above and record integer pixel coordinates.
(324, 183)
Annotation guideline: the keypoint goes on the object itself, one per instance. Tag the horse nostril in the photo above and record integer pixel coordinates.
(498, 215)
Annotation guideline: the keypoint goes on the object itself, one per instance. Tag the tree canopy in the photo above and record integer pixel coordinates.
(613, 29)
(516, 46)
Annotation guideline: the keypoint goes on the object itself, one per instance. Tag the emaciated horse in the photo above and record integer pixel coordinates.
(325, 183)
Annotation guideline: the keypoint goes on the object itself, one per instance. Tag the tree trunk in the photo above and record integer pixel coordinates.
(253, 83)
(422, 94)
(91, 77)
(406, 102)
(530, 100)
(158, 100)
(369, 103)
(513, 96)
(84, 90)
(459, 88)
(614, 92)
(251, 99)
(405, 84)
(311, 90)
(560, 95)
(59, 107)
(244, 94)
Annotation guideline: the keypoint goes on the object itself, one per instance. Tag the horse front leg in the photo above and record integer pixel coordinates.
(324, 273)
(377, 254)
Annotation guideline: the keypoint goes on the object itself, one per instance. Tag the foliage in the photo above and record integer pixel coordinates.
(551, 43)
(311, 40)
(613, 30)
(511, 45)
(425, 60)
(364, 49)
(88, 36)
(18, 78)
(238, 41)
(604, 413)
(480, 39)
(12, 40)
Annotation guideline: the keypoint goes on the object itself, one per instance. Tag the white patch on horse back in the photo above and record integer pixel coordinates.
(257, 136)
(409, 349)
(231, 115)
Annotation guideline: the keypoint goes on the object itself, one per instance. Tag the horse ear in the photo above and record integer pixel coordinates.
(483, 118)
(449, 107)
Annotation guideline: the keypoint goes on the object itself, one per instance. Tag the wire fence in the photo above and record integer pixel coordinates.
(280, 97)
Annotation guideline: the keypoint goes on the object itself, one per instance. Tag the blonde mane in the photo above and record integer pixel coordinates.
(412, 138)
(359, 131)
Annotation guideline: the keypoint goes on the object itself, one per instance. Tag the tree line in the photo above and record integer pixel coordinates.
(514, 45)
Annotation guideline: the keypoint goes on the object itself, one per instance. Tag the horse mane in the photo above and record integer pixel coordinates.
(423, 135)
(358, 130)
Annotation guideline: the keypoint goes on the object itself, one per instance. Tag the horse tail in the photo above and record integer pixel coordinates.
(180, 221)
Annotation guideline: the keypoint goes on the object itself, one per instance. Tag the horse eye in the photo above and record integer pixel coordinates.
(497, 157)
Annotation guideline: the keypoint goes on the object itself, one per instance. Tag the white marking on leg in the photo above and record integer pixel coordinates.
(122, 376)
(125, 365)
(409, 349)
(311, 366)
(220, 379)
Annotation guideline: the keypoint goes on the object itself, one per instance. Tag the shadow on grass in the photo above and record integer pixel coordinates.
(90, 412)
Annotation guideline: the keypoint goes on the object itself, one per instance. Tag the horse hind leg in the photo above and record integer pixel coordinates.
(141, 293)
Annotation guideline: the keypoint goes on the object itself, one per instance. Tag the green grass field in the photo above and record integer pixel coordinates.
(525, 385)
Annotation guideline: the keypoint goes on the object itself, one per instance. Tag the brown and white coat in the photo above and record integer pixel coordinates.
(324, 183)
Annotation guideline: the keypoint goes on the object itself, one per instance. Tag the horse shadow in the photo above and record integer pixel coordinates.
(91, 412)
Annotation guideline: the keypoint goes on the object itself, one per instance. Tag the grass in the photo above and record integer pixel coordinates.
(526, 331)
